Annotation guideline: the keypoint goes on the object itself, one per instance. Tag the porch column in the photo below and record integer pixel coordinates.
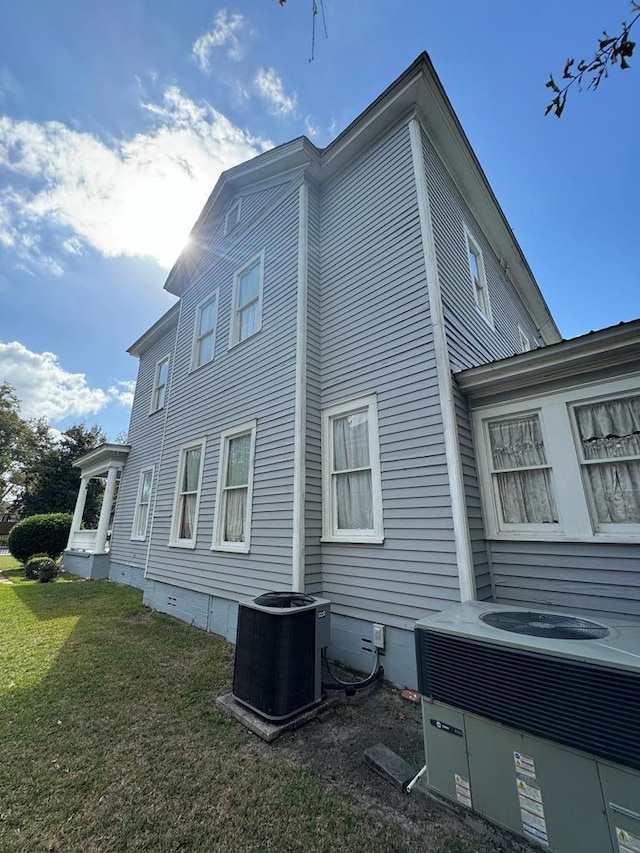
(76, 523)
(105, 511)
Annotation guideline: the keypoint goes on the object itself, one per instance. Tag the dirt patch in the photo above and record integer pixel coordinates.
(334, 746)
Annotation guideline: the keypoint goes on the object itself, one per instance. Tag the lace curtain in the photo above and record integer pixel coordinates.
(353, 487)
(236, 488)
(190, 480)
(524, 486)
(610, 433)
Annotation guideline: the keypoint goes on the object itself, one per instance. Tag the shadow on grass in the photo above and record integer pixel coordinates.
(114, 743)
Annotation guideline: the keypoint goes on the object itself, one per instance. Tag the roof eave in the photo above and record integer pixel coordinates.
(612, 348)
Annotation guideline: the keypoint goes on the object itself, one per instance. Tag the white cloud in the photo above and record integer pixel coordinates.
(122, 392)
(45, 389)
(137, 197)
(312, 129)
(224, 33)
(270, 87)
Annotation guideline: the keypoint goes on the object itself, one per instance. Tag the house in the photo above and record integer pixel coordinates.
(319, 410)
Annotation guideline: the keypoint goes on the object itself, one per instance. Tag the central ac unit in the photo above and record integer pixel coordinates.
(279, 645)
(532, 718)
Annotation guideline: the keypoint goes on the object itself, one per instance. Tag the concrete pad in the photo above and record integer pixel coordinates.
(265, 729)
(389, 765)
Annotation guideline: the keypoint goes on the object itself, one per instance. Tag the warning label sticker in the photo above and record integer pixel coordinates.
(525, 766)
(532, 811)
(627, 842)
(463, 791)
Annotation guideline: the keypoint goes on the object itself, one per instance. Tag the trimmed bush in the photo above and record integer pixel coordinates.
(32, 566)
(40, 534)
(41, 568)
(47, 570)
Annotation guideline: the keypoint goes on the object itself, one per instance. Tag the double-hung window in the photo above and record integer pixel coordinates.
(520, 473)
(187, 495)
(352, 495)
(232, 523)
(246, 314)
(205, 332)
(160, 380)
(478, 277)
(143, 502)
(568, 467)
(609, 453)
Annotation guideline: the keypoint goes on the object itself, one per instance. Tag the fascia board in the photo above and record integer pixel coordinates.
(160, 328)
(97, 460)
(614, 348)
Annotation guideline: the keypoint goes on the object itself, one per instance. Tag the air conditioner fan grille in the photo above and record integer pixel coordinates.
(552, 625)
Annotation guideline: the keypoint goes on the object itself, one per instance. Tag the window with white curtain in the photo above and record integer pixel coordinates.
(143, 501)
(609, 447)
(352, 495)
(160, 380)
(520, 472)
(187, 496)
(204, 339)
(232, 522)
(478, 276)
(246, 316)
(568, 468)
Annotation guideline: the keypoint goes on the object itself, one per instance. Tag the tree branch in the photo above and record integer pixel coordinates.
(611, 51)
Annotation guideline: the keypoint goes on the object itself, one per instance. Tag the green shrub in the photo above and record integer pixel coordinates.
(48, 570)
(40, 534)
(32, 566)
(40, 567)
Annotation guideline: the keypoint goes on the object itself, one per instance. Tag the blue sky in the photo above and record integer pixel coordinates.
(117, 118)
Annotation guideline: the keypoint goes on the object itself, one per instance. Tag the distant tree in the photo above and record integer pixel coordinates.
(22, 441)
(611, 50)
(52, 482)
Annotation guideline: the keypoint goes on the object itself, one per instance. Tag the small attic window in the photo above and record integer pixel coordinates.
(525, 343)
(233, 216)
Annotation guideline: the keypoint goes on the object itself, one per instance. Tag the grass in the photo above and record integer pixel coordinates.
(111, 740)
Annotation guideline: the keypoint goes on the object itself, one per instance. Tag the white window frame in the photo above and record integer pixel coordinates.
(479, 286)
(219, 543)
(232, 218)
(136, 536)
(156, 405)
(330, 530)
(174, 540)
(198, 337)
(236, 309)
(525, 343)
(560, 435)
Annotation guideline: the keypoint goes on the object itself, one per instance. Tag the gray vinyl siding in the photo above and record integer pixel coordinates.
(253, 204)
(252, 380)
(481, 565)
(376, 338)
(471, 339)
(592, 578)
(313, 461)
(145, 438)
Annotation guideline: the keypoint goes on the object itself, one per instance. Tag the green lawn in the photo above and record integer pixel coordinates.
(111, 740)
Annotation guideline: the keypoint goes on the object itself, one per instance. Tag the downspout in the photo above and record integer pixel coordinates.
(462, 539)
(300, 411)
(156, 479)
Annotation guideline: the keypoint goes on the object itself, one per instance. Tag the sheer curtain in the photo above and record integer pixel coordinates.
(190, 480)
(524, 486)
(609, 433)
(236, 488)
(353, 487)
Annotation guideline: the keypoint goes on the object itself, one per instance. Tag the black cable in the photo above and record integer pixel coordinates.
(350, 687)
